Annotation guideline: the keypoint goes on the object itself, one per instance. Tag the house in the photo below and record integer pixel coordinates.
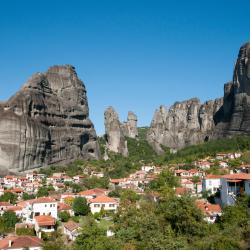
(244, 168)
(179, 191)
(211, 183)
(211, 211)
(103, 202)
(21, 243)
(62, 207)
(44, 223)
(93, 193)
(203, 164)
(37, 207)
(71, 230)
(147, 168)
(233, 185)
(17, 210)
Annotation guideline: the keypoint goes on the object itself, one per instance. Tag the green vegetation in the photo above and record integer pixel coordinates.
(80, 206)
(64, 216)
(9, 197)
(25, 231)
(8, 221)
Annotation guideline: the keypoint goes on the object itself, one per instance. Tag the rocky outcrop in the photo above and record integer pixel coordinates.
(114, 133)
(129, 128)
(185, 123)
(47, 122)
(236, 107)
(189, 122)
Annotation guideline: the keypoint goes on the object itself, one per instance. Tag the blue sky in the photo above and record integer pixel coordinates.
(133, 55)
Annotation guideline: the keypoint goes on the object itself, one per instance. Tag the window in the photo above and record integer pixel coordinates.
(210, 183)
(111, 205)
(50, 205)
(96, 205)
(45, 205)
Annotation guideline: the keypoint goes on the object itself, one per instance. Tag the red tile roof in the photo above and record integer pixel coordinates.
(212, 176)
(71, 225)
(5, 204)
(236, 176)
(63, 206)
(45, 220)
(207, 207)
(103, 199)
(20, 242)
(95, 191)
(181, 190)
(42, 200)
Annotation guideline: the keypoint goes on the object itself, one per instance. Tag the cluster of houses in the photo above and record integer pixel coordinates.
(41, 214)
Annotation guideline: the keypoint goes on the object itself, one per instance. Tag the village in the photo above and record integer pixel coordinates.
(43, 215)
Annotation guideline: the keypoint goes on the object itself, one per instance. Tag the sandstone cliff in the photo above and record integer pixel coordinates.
(47, 121)
(114, 133)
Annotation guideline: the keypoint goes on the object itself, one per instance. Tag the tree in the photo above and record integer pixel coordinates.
(42, 191)
(57, 244)
(9, 219)
(80, 206)
(26, 196)
(9, 197)
(25, 231)
(64, 216)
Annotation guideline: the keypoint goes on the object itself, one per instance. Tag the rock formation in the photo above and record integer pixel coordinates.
(130, 127)
(46, 122)
(185, 123)
(236, 107)
(114, 133)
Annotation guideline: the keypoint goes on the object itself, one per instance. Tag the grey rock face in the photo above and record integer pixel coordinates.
(47, 121)
(130, 127)
(114, 133)
(185, 123)
(236, 108)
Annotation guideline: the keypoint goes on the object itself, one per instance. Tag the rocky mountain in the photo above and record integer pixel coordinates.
(185, 123)
(46, 122)
(115, 139)
(190, 122)
(129, 128)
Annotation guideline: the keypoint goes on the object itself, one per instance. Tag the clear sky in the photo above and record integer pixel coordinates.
(131, 54)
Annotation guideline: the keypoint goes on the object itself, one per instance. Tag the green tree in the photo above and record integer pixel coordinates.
(80, 206)
(26, 196)
(9, 219)
(25, 231)
(64, 216)
(42, 191)
(9, 197)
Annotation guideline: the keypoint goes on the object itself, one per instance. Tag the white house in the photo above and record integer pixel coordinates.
(37, 207)
(103, 202)
(44, 223)
(211, 183)
(233, 185)
(21, 243)
(71, 229)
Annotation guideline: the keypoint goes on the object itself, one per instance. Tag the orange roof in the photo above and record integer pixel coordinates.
(5, 204)
(181, 190)
(116, 180)
(103, 199)
(212, 176)
(14, 208)
(95, 191)
(45, 220)
(63, 206)
(42, 200)
(207, 207)
(20, 242)
(71, 225)
(236, 176)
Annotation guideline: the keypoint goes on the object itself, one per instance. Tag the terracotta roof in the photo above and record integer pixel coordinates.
(71, 225)
(103, 199)
(20, 242)
(5, 204)
(63, 206)
(14, 208)
(236, 176)
(42, 200)
(212, 176)
(45, 220)
(181, 190)
(207, 207)
(95, 191)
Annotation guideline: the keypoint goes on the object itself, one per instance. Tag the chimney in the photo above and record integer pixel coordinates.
(10, 243)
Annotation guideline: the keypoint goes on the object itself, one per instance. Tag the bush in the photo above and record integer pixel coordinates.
(80, 206)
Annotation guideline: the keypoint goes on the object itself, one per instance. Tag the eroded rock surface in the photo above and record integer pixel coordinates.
(130, 127)
(185, 123)
(114, 133)
(46, 122)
